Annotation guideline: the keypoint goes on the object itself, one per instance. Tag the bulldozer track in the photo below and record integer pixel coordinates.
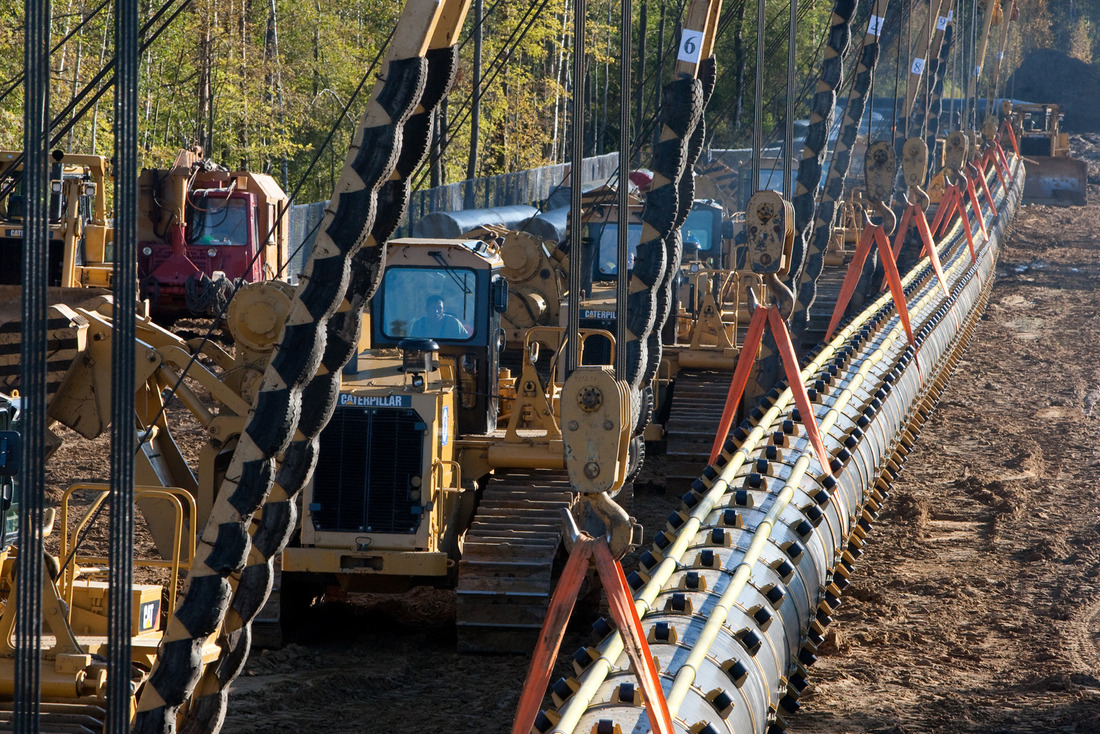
(828, 285)
(506, 574)
(693, 420)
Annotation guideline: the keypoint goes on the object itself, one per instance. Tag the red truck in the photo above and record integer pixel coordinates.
(201, 227)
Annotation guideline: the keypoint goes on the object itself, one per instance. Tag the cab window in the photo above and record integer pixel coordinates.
(698, 226)
(608, 248)
(219, 221)
(430, 303)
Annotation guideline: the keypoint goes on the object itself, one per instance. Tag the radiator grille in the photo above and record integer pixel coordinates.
(1038, 145)
(11, 261)
(367, 460)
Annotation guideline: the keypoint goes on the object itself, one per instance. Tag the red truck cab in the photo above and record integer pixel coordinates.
(202, 225)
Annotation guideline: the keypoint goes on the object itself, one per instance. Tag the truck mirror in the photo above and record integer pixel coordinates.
(10, 443)
(499, 295)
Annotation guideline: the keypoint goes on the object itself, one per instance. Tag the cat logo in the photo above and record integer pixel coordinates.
(150, 611)
(376, 401)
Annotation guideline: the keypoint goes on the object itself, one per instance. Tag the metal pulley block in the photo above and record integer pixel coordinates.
(914, 161)
(596, 430)
(596, 427)
(879, 168)
(989, 129)
(914, 166)
(974, 148)
(955, 151)
(769, 227)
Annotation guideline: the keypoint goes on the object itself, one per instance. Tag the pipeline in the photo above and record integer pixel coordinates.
(736, 591)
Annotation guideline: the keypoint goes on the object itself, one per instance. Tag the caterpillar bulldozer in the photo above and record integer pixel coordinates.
(81, 237)
(200, 228)
(439, 467)
(1053, 177)
(699, 340)
(537, 267)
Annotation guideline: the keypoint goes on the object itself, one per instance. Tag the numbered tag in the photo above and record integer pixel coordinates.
(691, 45)
(941, 23)
(950, 15)
(917, 67)
(978, 70)
(874, 25)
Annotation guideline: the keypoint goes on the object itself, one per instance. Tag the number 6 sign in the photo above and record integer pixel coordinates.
(691, 45)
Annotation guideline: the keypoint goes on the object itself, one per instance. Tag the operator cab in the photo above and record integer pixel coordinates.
(221, 225)
(605, 238)
(702, 234)
(450, 292)
(218, 217)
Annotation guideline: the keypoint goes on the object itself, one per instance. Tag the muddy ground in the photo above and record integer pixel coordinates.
(976, 607)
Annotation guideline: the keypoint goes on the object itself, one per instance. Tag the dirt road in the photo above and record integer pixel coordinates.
(976, 607)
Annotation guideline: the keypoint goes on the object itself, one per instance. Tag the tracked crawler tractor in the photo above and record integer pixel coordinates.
(438, 467)
(1053, 176)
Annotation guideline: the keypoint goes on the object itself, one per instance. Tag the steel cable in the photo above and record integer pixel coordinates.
(121, 537)
(576, 153)
(29, 562)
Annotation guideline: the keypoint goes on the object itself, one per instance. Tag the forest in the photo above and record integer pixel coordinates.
(277, 85)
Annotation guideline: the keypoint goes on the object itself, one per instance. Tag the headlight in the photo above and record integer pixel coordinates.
(212, 251)
(147, 251)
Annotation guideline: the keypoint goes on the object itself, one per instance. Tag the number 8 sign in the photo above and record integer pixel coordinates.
(691, 45)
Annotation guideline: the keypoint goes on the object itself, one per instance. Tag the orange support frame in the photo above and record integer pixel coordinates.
(621, 603)
(794, 379)
(874, 234)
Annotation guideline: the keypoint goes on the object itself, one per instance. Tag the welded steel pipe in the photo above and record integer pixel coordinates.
(736, 591)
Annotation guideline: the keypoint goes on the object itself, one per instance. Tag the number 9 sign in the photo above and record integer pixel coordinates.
(691, 45)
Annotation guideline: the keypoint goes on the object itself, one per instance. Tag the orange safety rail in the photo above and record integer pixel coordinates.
(740, 379)
(875, 233)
